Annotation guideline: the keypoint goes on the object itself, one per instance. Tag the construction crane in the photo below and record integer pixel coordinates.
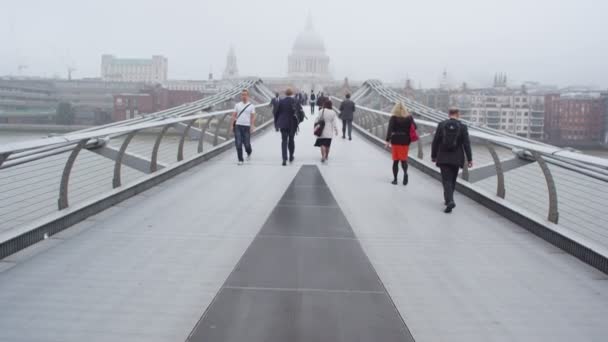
(70, 70)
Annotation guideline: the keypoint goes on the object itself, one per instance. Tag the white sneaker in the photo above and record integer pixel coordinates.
(249, 157)
(240, 163)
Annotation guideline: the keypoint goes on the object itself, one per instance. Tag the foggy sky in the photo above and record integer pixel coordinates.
(552, 41)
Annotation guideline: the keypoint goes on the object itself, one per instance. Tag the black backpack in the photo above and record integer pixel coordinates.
(451, 136)
(298, 115)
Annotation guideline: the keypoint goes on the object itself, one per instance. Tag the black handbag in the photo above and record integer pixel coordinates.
(319, 125)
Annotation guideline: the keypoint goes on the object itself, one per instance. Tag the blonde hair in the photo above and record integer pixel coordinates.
(400, 110)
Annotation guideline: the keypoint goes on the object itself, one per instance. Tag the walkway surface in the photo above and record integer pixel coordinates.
(208, 255)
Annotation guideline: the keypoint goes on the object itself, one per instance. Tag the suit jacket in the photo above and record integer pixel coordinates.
(454, 158)
(347, 110)
(275, 104)
(285, 114)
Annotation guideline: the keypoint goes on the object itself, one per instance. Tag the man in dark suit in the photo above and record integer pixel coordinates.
(450, 145)
(275, 102)
(285, 121)
(347, 113)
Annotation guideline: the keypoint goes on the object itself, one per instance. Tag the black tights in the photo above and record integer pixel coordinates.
(396, 167)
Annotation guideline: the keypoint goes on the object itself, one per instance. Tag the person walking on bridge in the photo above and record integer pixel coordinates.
(398, 139)
(243, 124)
(275, 102)
(320, 100)
(450, 145)
(313, 102)
(326, 130)
(347, 112)
(285, 121)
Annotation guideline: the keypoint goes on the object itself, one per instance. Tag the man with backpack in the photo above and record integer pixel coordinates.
(243, 123)
(313, 102)
(288, 116)
(450, 145)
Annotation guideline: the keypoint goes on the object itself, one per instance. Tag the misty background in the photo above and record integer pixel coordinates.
(553, 42)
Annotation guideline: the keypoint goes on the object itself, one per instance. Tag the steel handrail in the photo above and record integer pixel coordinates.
(104, 132)
(544, 149)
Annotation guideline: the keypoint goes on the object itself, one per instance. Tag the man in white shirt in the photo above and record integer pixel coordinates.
(243, 123)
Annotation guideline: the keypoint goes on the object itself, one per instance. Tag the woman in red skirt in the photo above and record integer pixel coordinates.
(398, 139)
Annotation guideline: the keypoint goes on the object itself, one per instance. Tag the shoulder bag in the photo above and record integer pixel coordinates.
(319, 125)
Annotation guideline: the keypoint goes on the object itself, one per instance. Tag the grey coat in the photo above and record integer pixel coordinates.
(347, 110)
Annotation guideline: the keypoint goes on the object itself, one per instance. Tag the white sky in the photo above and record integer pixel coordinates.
(552, 41)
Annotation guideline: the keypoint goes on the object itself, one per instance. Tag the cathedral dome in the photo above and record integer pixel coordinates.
(309, 41)
(308, 59)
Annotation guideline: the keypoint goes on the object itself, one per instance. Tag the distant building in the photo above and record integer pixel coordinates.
(27, 101)
(151, 100)
(308, 59)
(508, 110)
(605, 97)
(435, 98)
(209, 87)
(92, 99)
(231, 71)
(152, 71)
(576, 119)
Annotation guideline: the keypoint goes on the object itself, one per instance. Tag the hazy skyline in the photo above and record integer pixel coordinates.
(552, 42)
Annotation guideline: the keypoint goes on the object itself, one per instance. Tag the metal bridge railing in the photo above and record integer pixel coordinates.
(524, 154)
(40, 177)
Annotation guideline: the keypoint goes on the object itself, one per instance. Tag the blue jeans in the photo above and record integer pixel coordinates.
(242, 136)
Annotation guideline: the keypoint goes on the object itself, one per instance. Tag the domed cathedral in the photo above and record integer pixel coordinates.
(308, 60)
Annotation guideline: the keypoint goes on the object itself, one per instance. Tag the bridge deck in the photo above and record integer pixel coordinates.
(147, 270)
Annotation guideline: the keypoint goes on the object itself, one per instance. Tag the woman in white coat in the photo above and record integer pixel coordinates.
(330, 130)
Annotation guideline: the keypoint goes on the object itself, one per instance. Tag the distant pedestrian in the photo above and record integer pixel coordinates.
(398, 138)
(450, 145)
(319, 100)
(347, 113)
(243, 124)
(330, 128)
(286, 122)
(313, 102)
(275, 102)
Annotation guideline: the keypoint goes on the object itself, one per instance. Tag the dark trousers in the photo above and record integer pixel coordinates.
(312, 108)
(349, 124)
(242, 136)
(449, 175)
(287, 142)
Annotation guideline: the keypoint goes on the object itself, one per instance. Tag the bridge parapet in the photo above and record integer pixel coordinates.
(47, 183)
(524, 180)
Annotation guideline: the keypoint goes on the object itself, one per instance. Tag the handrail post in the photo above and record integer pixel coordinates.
(465, 168)
(500, 175)
(217, 129)
(154, 159)
(553, 209)
(4, 157)
(420, 151)
(202, 137)
(116, 180)
(180, 149)
(65, 177)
